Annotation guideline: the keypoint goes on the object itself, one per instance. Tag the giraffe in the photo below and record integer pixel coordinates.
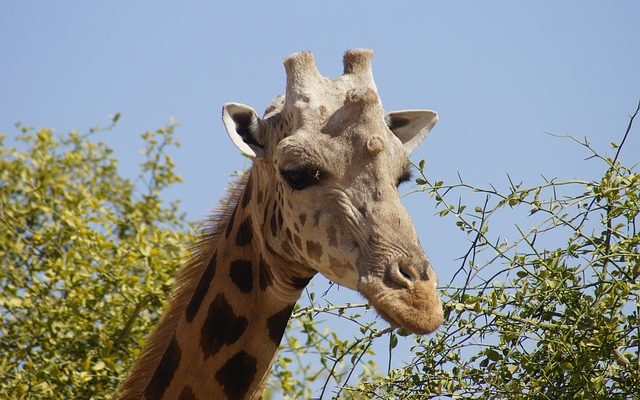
(321, 196)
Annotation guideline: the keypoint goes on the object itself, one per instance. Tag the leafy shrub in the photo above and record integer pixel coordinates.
(547, 312)
(86, 261)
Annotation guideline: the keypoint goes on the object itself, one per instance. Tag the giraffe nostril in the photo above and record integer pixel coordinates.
(401, 273)
(405, 273)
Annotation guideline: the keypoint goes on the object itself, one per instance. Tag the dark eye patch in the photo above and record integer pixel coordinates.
(405, 177)
(301, 177)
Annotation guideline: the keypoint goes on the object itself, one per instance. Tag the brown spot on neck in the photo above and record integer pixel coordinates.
(245, 232)
(221, 327)
(164, 373)
(314, 250)
(300, 283)
(237, 374)
(241, 273)
(277, 323)
(201, 289)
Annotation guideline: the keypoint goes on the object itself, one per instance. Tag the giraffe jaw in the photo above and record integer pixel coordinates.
(417, 309)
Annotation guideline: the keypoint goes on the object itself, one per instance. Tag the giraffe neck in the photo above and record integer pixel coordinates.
(225, 338)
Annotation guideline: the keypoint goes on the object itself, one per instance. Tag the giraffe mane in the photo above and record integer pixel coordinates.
(188, 276)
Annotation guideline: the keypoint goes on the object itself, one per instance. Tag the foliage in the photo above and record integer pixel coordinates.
(86, 260)
(547, 312)
(552, 314)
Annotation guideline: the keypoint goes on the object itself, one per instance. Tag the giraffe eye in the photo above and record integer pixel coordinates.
(302, 177)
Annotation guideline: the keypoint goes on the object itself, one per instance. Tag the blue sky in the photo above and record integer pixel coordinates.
(500, 75)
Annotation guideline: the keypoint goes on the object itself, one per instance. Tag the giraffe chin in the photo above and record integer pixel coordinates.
(418, 309)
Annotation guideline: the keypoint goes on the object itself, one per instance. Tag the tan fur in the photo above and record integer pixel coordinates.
(132, 388)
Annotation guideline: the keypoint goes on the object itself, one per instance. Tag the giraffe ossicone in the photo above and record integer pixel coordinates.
(321, 196)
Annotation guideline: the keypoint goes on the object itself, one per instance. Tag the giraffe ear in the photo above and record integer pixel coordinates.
(411, 126)
(242, 124)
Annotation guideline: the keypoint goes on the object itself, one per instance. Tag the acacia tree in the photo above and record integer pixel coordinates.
(87, 259)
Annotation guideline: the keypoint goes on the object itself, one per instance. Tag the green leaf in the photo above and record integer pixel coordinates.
(393, 341)
(492, 355)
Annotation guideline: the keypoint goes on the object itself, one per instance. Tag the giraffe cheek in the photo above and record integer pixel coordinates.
(341, 272)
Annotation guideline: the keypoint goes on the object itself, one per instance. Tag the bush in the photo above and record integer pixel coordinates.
(86, 261)
(549, 312)
(546, 312)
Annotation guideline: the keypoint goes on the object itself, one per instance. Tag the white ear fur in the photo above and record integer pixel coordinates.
(241, 123)
(411, 126)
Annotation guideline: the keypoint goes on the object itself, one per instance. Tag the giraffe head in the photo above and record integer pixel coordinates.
(328, 161)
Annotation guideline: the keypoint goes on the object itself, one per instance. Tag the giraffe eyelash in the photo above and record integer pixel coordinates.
(405, 177)
(302, 177)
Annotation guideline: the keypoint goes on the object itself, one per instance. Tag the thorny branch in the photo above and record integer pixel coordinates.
(537, 308)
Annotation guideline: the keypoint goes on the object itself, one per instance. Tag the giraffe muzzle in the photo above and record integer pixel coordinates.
(406, 294)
